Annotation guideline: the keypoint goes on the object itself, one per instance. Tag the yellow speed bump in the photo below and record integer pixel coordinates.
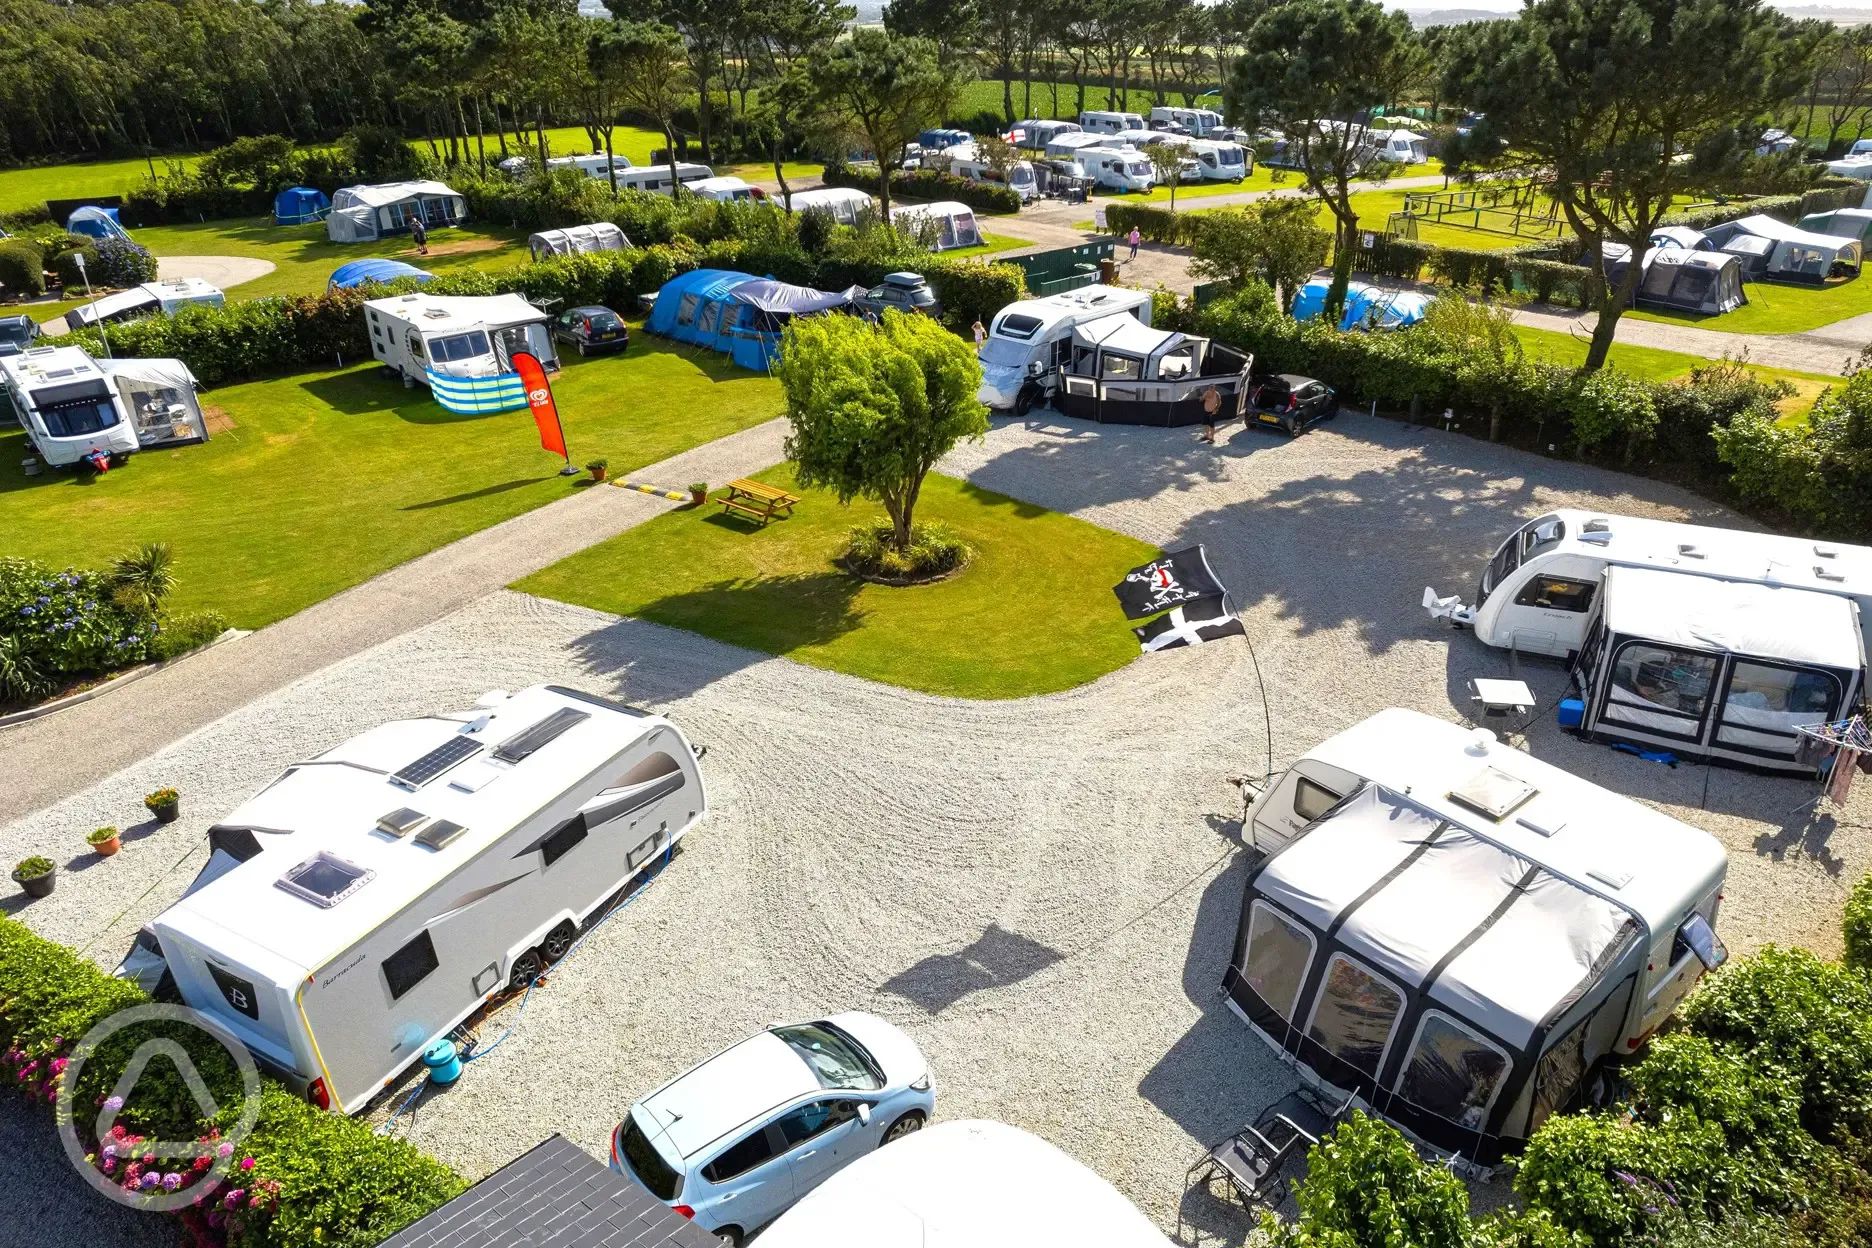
(643, 487)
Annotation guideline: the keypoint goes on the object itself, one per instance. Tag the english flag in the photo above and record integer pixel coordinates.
(540, 399)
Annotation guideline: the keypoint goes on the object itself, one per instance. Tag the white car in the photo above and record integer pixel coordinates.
(735, 1141)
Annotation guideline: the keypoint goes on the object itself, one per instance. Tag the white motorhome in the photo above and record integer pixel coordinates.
(723, 189)
(1034, 134)
(164, 298)
(369, 900)
(460, 346)
(845, 203)
(1094, 121)
(74, 408)
(593, 165)
(1538, 591)
(966, 162)
(657, 177)
(974, 1182)
(1220, 160)
(1031, 340)
(1198, 121)
(1462, 934)
(1125, 169)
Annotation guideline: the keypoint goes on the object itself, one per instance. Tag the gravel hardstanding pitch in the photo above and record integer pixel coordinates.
(1042, 892)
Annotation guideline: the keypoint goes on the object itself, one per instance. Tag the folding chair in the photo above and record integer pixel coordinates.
(1257, 1161)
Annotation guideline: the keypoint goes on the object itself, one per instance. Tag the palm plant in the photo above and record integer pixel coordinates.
(141, 579)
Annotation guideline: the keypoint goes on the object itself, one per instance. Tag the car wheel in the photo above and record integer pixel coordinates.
(559, 940)
(526, 969)
(730, 1236)
(909, 1124)
(1294, 427)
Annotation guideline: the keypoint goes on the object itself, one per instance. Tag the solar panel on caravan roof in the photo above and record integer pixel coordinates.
(435, 762)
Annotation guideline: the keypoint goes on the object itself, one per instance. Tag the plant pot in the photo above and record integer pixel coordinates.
(598, 474)
(38, 885)
(698, 497)
(166, 814)
(106, 848)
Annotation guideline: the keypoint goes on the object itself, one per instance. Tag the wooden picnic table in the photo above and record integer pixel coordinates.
(755, 500)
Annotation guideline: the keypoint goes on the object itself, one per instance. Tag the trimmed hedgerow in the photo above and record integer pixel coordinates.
(1857, 925)
(22, 268)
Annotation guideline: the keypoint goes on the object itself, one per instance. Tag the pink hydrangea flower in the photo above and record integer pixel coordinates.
(117, 1129)
(247, 1163)
(224, 1149)
(149, 1159)
(113, 1104)
(110, 1164)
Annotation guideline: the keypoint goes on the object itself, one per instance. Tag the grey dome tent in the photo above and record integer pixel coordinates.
(578, 239)
(1797, 255)
(1706, 282)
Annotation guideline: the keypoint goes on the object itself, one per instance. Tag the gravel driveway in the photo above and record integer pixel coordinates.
(1042, 892)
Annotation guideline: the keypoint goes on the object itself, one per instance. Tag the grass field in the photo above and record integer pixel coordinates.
(1655, 364)
(1780, 308)
(1032, 614)
(304, 258)
(326, 479)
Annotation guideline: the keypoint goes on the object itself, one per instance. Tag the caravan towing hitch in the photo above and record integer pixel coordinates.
(1449, 608)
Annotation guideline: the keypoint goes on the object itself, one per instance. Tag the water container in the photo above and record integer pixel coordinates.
(444, 1066)
(1572, 712)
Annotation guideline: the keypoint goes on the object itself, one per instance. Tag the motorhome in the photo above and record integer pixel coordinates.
(966, 162)
(593, 165)
(370, 899)
(1538, 590)
(846, 203)
(1093, 121)
(1220, 160)
(725, 190)
(1030, 340)
(1034, 134)
(1710, 669)
(949, 1185)
(1068, 146)
(164, 298)
(1462, 935)
(952, 223)
(1199, 122)
(657, 177)
(75, 409)
(1125, 169)
(460, 346)
(1123, 372)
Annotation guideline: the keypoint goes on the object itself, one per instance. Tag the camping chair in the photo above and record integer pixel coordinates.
(1257, 1161)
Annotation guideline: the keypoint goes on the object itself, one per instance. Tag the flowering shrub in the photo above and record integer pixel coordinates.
(56, 625)
(120, 262)
(1366, 1186)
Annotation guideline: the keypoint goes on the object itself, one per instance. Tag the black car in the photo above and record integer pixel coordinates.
(1291, 402)
(17, 333)
(906, 292)
(592, 329)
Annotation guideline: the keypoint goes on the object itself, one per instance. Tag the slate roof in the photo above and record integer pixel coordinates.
(555, 1195)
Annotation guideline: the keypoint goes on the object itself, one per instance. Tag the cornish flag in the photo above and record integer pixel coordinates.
(1169, 581)
(1190, 625)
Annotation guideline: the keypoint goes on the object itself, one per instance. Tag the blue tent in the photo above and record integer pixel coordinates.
(763, 310)
(298, 205)
(357, 272)
(689, 307)
(95, 222)
(1366, 306)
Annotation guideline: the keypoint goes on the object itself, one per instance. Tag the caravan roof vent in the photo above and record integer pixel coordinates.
(528, 740)
(1493, 792)
(1689, 551)
(435, 762)
(1824, 573)
(438, 834)
(401, 821)
(325, 879)
(436, 314)
(1598, 530)
(1827, 552)
(1611, 877)
(1542, 826)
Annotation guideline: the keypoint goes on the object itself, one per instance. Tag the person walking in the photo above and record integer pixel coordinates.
(981, 335)
(1134, 238)
(420, 234)
(1212, 411)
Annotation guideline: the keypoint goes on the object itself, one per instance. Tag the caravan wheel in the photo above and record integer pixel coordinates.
(526, 969)
(559, 940)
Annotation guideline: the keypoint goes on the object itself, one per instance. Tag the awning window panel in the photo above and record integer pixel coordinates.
(1280, 952)
(1661, 688)
(1356, 1014)
(1453, 1072)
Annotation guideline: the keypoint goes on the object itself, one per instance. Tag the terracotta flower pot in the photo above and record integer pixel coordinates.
(106, 848)
(698, 497)
(598, 474)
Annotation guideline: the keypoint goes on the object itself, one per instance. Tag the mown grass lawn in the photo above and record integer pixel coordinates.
(1033, 614)
(32, 186)
(326, 479)
(1780, 308)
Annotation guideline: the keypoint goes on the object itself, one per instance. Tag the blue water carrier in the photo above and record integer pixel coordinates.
(443, 1063)
(1572, 712)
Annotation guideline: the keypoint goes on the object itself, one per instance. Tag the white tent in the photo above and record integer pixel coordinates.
(955, 223)
(160, 397)
(843, 202)
(362, 214)
(578, 239)
(1797, 254)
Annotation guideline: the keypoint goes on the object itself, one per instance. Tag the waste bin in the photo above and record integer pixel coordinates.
(1108, 271)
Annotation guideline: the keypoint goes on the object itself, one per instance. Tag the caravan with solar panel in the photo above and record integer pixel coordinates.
(369, 900)
(1462, 935)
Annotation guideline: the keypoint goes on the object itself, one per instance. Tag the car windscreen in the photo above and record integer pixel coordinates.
(834, 1058)
(19, 332)
(646, 1163)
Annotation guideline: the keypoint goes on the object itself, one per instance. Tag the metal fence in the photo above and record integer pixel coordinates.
(1065, 268)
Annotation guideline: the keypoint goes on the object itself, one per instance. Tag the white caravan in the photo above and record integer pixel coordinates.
(724, 189)
(74, 408)
(592, 166)
(966, 162)
(1538, 592)
(1189, 169)
(657, 177)
(164, 298)
(1198, 121)
(1462, 934)
(460, 346)
(1029, 341)
(1125, 169)
(1034, 134)
(974, 1182)
(369, 900)
(1220, 160)
(1400, 147)
(845, 203)
(1068, 146)
(1093, 121)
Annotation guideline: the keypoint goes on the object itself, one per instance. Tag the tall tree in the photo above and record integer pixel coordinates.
(1314, 70)
(649, 65)
(1611, 95)
(1000, 34)
(885, 87)
(707, 27)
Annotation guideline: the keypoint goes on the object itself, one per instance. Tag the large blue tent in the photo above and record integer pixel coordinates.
(376, 269)
(762, 310)
(1366, 306)
(689, 308)
(298, 205)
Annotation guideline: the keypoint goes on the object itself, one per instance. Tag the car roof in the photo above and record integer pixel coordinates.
(736, 1086)
(905, 279)
(1292, 380)
(590, 308)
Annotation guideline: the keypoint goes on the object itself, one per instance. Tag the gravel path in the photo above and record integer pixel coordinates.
(1043, 892)
(61, 752)
(222, 271)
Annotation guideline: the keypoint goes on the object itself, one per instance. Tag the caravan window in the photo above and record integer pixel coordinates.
(78, 417)
(1279, 953)
(1355, 1015)
(1018, 325)
(1310, 800)
(325, 879)
(1698, 937)
(410, 965)
(1453, 1072)
(469, 346)
(560, 843)
(1557, 594)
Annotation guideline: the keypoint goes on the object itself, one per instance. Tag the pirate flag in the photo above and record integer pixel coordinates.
(1168, 581)
(1203, 620)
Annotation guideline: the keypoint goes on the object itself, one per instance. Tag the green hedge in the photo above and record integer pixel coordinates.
(302, 1176)
(255, 338)
(1157, 225)
(928, 184)
(1783, 207)
(1817, 475)
(1857, 926)
(22, 268)
(174, 201)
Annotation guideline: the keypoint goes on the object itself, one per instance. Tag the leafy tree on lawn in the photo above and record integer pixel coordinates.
(1611, 94)
(1311, 70)
(784, 117)
(1275, 239)
(886, 88)
(874, 407)
(650, 69)
(1166, 160)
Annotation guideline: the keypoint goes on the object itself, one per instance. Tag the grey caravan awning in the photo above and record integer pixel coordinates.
(1418, 962)
(160, 397)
